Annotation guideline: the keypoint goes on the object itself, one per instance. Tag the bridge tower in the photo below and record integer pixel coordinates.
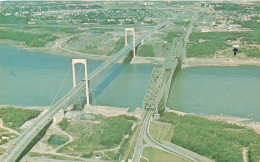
(133, 30)
(84, 62)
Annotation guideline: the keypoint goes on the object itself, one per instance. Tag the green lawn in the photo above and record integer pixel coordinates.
(156, 155)
(214, 139)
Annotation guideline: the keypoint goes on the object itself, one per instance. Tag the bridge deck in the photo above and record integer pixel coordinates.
(15, 150)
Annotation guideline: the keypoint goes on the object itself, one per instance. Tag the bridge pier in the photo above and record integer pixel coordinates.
(84, 62)
(133, 30)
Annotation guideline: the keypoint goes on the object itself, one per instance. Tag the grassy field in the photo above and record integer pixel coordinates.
(3, 130)
(31, 39)
(161, 132)
(214, 139)
(2, 151)
(155, 155)
(254, 153)
(213, 41)
(36, 35)
(217, 41)
(106, 133)
(145, 50)
(16, 117)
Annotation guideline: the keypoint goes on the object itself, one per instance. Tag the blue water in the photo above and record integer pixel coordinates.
(129, 87)
(233, 91)
(33, 78)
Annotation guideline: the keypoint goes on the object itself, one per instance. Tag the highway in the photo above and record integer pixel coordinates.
(144, 134)
(150, 140)
(15, 150)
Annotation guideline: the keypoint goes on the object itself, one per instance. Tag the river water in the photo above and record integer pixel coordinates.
(33, 78)
(233, 91)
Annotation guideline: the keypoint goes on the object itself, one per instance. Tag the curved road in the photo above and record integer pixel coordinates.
(146, 136)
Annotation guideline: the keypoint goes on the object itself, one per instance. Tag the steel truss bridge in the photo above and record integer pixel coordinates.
(160, 82)
(157, 94)
(18, 148)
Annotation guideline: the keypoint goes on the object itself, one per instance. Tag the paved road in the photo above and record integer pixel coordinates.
(139, 144)
(15, 150)
(144, 134)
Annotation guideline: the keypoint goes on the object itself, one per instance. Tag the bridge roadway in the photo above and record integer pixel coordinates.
(16, 149)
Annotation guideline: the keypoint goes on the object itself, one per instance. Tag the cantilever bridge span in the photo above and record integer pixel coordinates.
(160, 82)
(18, 148)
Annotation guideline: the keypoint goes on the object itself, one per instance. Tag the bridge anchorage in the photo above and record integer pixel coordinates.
(158, 90)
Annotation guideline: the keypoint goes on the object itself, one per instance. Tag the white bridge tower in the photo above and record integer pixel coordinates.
(133, 30)
(84, 62)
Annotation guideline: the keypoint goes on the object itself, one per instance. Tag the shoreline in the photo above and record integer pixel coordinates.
(240, 121)
(232, 61)
(40, 108)
(188, 62)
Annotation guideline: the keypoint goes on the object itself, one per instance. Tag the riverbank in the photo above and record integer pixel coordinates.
(56, 49)
(228, 61)
(40, 108)
(229, 119)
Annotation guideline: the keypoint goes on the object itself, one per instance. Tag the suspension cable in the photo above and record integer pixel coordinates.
(61, 84)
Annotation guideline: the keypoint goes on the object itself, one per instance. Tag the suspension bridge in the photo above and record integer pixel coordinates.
(27, 138)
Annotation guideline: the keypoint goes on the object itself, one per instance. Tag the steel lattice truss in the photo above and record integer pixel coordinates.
(161, 78)
(154, 89)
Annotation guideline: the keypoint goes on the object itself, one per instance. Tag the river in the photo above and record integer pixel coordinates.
(33, 78)
(216, 90)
